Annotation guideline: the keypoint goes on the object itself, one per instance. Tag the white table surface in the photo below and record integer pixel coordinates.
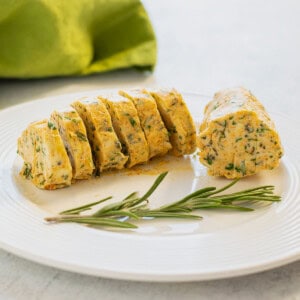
(204, 46)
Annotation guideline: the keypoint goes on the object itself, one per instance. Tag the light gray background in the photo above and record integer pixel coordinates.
(203, 46)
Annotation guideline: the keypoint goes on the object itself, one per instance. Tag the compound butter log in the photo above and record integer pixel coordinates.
(237, 136)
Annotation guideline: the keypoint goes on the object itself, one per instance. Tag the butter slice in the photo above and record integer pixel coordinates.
(128, 128)
(46, 162)
(178, 121)
(105, 145)
(154, 129)
(74, 136)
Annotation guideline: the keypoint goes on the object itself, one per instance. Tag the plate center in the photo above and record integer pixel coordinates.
(185, 176)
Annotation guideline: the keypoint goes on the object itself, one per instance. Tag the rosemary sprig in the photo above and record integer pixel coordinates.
(136, 208)
(110, 211)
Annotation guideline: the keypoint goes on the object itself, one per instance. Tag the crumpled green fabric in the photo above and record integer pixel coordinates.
(43, 38)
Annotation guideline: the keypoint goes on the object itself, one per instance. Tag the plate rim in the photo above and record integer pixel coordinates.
(152, 276)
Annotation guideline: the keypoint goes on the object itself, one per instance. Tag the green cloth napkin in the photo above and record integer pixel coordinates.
(42, 38)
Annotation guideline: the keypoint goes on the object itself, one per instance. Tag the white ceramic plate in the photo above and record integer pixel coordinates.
(223, 244)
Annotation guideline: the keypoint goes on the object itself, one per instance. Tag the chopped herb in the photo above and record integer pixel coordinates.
(81, 136)
(172, 130)
(243, 167)
(209, 158)
(262, 129)
(132, 121)
(222, 123)
(216, 152)
(222, 134)
(261, 145)
(51, 125)
(27, 171)
(248, 128)
(238, 169)
(238, 139)
(230, 166)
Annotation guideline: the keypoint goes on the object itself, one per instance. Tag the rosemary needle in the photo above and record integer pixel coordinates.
(80, 209)
(156, 183)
